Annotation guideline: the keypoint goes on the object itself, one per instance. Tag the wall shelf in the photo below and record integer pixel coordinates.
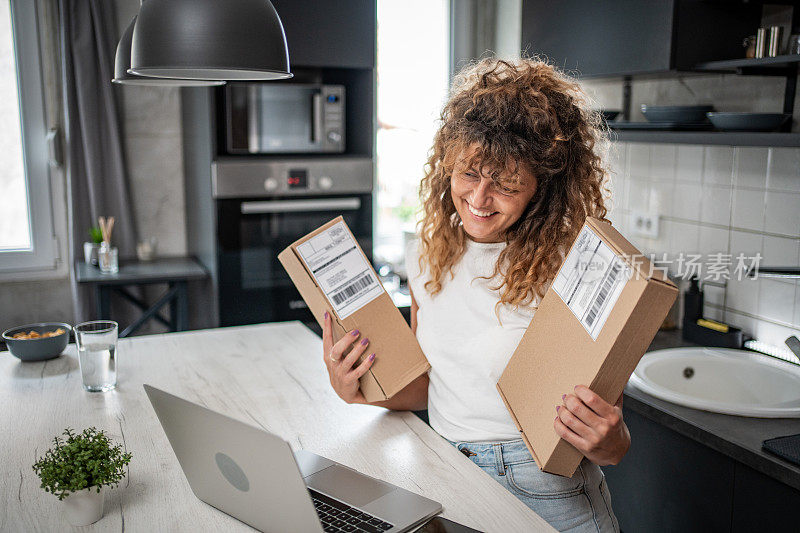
(763, 66)
(729, 138)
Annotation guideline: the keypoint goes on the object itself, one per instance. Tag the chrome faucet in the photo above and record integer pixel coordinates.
(774, 272)
(794, 345)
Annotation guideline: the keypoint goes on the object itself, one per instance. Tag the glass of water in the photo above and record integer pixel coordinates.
(97, 354)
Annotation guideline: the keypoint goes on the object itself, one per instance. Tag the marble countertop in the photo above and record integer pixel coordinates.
(737, 437)
(271, 376)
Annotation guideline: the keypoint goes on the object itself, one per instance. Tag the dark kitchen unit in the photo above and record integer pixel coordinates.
(267, 162)
(637, 37)
(658, 39)
(255, 223)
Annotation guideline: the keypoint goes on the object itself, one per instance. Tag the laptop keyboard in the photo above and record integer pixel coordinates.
(337, 516)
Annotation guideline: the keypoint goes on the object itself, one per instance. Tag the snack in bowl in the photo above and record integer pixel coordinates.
(36, 335)
(37, 342)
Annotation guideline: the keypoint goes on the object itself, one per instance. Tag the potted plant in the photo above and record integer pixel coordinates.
(77, 468)
(90, 248)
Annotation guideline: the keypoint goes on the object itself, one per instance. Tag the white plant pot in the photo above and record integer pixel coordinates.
(84, 507)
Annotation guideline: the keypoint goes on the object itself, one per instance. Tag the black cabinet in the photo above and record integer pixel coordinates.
(329, 34)
(762, 504)
(628, 37)
(669, 482)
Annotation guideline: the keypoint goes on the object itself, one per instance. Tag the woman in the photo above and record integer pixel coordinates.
(512, 175)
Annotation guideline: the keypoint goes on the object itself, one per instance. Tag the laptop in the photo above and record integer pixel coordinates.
(253, 476)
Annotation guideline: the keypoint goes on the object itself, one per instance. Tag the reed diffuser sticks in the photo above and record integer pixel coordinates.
(106, 226)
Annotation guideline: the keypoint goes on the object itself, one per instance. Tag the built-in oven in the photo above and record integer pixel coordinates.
(281, 118)
(262, 207)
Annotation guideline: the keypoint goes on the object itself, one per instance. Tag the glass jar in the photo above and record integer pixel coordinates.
(107, 258)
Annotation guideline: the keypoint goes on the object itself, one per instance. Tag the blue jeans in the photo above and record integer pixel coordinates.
(581, 503)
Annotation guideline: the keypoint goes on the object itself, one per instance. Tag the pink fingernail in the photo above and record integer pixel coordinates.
(557, 408)
(355, 333)
(326, 315)
(563, 396)
(556, 418)
(371, 357)
(364, 342)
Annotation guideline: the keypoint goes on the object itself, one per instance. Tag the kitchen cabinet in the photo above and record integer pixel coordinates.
(658, 38)
(762, 504)
(634, 37)
(329, 34)
(670, 482)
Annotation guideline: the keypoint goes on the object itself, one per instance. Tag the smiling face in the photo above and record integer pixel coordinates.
(489, 200)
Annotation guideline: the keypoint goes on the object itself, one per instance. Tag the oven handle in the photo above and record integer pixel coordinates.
(294, 206)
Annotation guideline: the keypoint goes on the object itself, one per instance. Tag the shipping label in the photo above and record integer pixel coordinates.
(591, 280)
(340, 269)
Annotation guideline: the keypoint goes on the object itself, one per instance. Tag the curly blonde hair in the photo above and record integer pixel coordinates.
(524, 112)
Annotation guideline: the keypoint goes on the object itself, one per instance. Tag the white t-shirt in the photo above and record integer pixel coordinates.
(467, 348)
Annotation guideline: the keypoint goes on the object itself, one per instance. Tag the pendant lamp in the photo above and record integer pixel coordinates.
(122, 63)
(209, 40)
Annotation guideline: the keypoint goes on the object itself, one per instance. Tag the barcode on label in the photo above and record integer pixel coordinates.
(605, 290)
(352, 289)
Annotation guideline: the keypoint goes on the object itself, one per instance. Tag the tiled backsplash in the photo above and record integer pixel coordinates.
(720, 199)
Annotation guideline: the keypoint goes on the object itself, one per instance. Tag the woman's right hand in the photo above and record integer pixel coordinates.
(339, 360)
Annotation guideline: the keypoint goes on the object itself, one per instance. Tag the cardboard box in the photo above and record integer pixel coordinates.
(591, 328)
(332, 274)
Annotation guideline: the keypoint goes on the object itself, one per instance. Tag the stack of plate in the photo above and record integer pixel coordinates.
(702, 117)
(671, 117)
(748, 121)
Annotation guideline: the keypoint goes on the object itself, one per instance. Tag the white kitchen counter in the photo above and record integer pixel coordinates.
(271, 376)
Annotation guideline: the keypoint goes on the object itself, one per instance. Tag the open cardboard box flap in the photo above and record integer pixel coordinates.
(399, 359)
(558, 352)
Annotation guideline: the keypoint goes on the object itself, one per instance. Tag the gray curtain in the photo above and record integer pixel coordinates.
(472, 31)
(97, 182)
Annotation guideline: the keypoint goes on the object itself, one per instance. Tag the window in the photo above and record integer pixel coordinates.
(413, 69)
(26, 218)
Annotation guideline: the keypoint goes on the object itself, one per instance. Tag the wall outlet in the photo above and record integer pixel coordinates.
(644, 224)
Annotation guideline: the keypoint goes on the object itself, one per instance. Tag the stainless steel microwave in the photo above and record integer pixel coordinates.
(284, 118)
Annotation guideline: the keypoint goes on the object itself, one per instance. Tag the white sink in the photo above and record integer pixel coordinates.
(734, 382)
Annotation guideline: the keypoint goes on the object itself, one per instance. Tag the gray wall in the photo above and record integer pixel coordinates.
(154, 154)
(720, 199)
(27, 302)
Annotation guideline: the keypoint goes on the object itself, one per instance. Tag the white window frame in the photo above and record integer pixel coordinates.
(44, 257)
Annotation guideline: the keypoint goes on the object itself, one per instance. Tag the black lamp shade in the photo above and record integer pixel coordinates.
(122, 63)
(209, 40)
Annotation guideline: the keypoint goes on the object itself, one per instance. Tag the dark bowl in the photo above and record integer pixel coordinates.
(690, 114)
(748, 121)
(37, 349)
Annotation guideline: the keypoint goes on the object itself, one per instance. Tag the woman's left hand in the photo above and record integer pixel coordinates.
(593, 426)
